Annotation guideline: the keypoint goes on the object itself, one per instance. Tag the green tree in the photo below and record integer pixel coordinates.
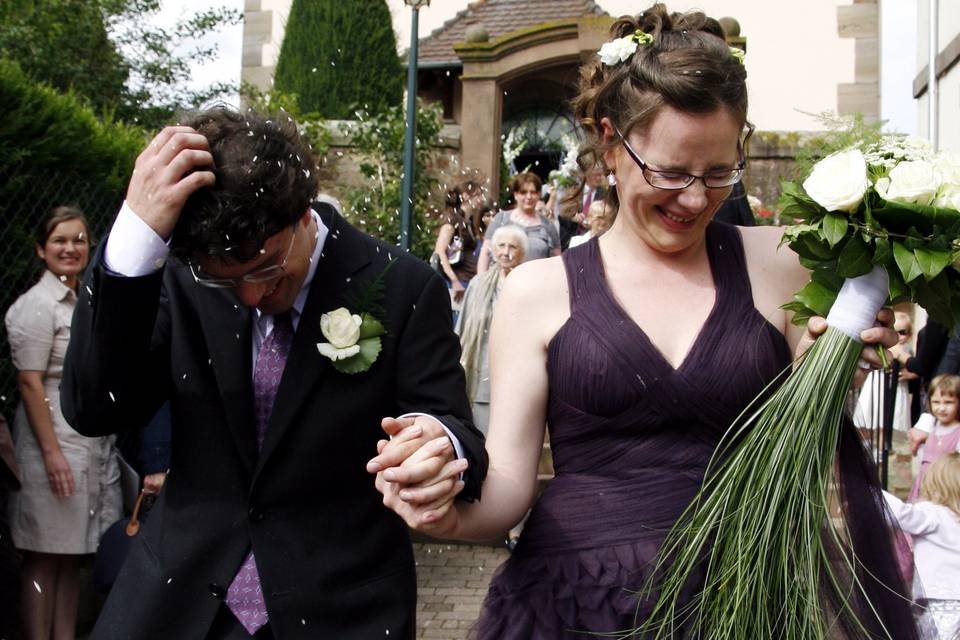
(108, 52)
(337, 54)
(375, 207)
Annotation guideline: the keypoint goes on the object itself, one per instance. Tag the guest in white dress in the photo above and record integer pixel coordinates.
(70, 484)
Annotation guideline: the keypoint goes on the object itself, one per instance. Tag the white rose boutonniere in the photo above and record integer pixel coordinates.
(353, 340)
(839, 181)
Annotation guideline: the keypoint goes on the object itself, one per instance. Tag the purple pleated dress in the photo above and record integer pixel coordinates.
(631, 437)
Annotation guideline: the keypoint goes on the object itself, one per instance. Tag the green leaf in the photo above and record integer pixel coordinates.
(934, 296)
(932, 262)
(801, 313)
(371, 327)
(855, 259)
(835, 228)
(907, 262)
(369, 350)
(816, 297)
(899, 290)
(882, 253)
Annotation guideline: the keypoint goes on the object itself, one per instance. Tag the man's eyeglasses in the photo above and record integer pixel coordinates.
(675, 180)
(260, 275)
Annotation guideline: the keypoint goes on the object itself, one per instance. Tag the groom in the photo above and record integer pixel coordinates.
(209, 293)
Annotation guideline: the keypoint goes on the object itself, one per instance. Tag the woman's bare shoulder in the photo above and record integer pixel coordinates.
(537, 292)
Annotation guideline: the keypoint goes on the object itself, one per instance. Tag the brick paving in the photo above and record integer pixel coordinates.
(452, 580)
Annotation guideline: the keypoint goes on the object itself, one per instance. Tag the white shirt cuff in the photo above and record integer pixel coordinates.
(925, 423)
(457, 447)
(133, 248)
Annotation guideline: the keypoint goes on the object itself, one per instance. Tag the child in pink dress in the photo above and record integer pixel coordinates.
(944, 437)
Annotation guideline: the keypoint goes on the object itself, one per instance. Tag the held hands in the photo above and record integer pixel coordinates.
(59, 474)
(176, 163)
(418, 473)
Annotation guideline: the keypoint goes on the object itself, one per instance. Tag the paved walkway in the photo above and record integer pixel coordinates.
(452, 580)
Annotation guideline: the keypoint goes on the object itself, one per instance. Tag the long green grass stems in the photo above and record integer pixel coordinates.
(776, 565)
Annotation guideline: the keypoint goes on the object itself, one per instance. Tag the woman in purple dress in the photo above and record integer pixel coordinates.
(637, 349)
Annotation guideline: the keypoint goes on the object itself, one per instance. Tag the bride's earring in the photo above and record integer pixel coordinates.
(612, 179)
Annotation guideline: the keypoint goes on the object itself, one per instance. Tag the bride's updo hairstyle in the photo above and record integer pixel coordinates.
(688, 66)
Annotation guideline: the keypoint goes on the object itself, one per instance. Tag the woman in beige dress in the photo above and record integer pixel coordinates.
(71, 490)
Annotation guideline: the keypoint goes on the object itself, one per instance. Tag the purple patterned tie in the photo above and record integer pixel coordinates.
(244, 597)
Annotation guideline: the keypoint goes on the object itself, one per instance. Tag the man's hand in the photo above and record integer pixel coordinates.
(176, 163)
(916, 438)
(417, 472)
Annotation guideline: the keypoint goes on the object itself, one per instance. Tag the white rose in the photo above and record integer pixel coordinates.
(947, 164)
(838, 182)
(617, 51)
(948, 198)
(328, 350)
(911, 182)
(340, 328)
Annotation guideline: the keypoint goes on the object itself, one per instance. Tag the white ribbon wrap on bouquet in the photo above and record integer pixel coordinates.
(858, 303)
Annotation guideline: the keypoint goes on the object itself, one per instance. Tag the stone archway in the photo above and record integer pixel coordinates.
(495, 72)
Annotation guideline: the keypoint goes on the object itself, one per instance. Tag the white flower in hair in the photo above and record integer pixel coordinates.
(617, 51)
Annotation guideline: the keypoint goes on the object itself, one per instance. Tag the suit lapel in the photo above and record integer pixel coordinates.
(344, 253)
(226, 327)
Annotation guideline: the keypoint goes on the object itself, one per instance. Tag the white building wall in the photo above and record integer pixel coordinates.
(949, 85)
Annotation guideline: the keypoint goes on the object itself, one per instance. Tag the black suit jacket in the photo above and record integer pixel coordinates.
(333, 561)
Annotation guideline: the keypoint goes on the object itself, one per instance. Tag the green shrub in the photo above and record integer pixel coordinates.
(375, 207)
(337, 54)
(53, 151)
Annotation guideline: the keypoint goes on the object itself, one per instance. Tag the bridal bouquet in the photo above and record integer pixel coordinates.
(878, 224)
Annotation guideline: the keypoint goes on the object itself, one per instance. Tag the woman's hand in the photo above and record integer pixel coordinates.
(457, 288)
(59, 474)
(881, 334)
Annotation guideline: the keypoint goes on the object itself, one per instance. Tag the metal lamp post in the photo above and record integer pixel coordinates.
(409, 141)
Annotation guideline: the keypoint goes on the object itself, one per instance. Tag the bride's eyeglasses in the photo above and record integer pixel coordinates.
(675, 180)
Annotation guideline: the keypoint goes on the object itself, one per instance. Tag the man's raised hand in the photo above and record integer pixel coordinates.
(176, 163)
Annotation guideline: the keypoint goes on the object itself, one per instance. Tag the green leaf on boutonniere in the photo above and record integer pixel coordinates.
(932, 262)
(371, 327)
(907, 262)
(816, 297)
(834, 228)
(369, 350)
(855, 259)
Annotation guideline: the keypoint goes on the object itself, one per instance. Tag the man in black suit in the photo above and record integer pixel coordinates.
(269, 524)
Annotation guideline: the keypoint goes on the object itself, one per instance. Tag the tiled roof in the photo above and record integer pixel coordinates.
(498, 17)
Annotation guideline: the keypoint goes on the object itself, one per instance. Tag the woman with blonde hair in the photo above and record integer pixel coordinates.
(934, 523)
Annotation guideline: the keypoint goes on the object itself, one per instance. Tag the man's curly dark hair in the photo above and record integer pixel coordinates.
(266, 177)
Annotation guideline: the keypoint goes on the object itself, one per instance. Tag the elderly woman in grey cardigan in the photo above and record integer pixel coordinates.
(509, 246)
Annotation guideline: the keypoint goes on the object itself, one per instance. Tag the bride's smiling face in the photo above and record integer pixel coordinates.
(672, 221)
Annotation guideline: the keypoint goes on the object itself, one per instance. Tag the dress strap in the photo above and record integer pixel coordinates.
(729, 263)
(584, 279)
